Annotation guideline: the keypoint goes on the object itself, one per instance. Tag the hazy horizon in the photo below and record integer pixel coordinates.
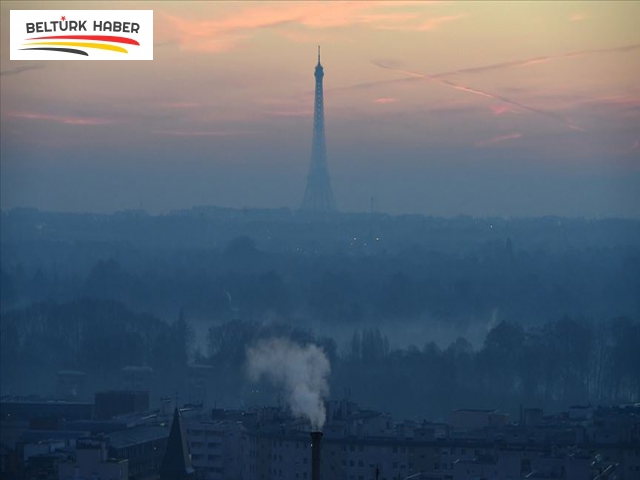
(298, 210)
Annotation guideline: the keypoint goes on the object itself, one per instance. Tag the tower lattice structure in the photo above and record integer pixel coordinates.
(318, 196)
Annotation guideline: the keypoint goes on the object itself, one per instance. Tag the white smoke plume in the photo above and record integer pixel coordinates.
(301, 371)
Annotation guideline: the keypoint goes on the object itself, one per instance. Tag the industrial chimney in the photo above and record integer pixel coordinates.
(316, 438)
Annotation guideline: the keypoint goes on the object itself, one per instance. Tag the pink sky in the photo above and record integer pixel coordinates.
(550, 83)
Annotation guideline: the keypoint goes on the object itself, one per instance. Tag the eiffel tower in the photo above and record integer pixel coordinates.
(318, 196)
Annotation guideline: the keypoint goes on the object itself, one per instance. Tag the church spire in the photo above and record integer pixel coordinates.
(176, 464)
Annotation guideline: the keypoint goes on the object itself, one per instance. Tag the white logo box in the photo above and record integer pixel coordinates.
(81, 34)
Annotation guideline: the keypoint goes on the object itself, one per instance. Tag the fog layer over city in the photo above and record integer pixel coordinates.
(504, 311)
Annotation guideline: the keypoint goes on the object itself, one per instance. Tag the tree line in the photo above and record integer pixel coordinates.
(550, 365)
(242, 280)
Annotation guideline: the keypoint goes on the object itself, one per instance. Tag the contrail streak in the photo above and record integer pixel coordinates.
(498, 139)
(482, 93)
(496, 66)
(534, 60)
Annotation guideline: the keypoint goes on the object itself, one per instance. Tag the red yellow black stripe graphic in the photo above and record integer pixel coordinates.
(64, 50)
(57, 45)
(104, 38)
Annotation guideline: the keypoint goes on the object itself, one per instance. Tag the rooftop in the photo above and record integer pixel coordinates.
(136, 435)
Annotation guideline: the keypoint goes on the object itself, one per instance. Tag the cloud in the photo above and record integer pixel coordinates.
(635, 147)
(433, 23)
(615, 100)
(228, 31)
(618, 105)
(535, 60)
(164, 43)
(20, 69)
(482, 93)
(67, 120)
(374, 84)
(394, 63)
(178, 105)
(291, 113)
(301, 36)
(387, 17)
(424, 26)
(391, 62)
(577, 17)
(502, 109)
(199, 133)
(384, 101)
(498, 139)
(455, 108)
(624, 104)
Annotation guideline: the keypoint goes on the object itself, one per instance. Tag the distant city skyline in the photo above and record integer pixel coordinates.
(439, 108)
